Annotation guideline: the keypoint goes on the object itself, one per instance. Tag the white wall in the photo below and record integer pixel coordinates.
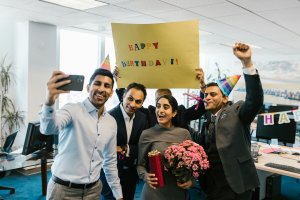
(6, 39)
(21, 64)
(32, 47)
(42, 60)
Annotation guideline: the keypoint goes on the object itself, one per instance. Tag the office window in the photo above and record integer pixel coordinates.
(79, 54)
(110, 50)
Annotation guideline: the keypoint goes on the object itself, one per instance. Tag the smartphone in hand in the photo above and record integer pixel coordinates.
(75, 85)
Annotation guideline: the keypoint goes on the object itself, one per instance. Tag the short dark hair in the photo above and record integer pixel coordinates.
(172, 101)
(102, 72)
(214, 84)
(137, 86)
(211, 84)
(164, 90)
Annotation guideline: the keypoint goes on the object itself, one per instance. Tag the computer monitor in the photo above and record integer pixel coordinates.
(9, 142)
(285, 133)
(262, 109)
(281, 107)
(35, 140)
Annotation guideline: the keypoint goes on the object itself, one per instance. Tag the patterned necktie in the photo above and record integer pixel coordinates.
(211, 129)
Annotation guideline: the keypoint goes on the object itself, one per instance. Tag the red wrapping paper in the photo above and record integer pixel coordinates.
(156, 168)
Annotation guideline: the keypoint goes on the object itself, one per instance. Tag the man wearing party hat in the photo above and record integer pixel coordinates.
(232, 173)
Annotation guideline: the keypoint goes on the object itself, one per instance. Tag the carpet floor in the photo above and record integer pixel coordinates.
(30, 187)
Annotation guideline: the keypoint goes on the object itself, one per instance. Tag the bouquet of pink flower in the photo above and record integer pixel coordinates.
(186, 160)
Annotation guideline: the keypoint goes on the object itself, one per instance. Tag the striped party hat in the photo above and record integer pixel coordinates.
(227, 84)
(105, 64)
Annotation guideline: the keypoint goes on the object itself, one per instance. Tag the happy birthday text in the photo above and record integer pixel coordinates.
(150, 63)
(142, 46)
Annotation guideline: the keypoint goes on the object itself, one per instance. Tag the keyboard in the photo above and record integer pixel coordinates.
(283, 167)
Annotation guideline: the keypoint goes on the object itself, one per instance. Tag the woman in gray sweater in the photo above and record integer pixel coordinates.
(159, 138)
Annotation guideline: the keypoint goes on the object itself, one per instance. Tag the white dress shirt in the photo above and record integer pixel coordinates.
(86, 143)
(128, 124)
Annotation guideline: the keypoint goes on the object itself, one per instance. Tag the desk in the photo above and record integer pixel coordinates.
(21, 161)
(284, 159)
(16, 163)
(43, 156)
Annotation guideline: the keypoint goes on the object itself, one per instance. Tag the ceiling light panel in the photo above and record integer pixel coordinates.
(77, 4)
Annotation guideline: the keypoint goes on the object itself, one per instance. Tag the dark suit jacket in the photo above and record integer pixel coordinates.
(233, 137)
(183, 117)
(139, 124)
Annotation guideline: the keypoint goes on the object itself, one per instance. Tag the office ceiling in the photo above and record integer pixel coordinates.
(271, 25)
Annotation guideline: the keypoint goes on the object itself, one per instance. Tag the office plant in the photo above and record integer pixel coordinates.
(11, 119)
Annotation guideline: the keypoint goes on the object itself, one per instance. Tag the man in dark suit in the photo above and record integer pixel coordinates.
(184, 115)
(232, 173)
(131, 122)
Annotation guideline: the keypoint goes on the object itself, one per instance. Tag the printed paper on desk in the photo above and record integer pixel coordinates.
(271, 150)
(161, 55)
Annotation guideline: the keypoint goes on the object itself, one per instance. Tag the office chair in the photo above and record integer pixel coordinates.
(5, 153)
(11, 189)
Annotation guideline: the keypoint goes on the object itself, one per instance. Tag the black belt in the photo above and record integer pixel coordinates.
(73, 185)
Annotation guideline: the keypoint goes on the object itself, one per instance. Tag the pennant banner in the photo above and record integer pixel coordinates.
(283, 117)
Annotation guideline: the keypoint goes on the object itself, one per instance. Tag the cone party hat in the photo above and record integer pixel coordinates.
(106, 64)
(227, 84)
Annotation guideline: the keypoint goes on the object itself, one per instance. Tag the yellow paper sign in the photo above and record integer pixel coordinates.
(157, 55)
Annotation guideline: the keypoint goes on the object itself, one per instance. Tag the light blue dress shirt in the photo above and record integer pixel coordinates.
(86, 143)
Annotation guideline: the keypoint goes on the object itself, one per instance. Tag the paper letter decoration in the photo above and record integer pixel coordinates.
(268, 119)
(283, 118)
(296, 115)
